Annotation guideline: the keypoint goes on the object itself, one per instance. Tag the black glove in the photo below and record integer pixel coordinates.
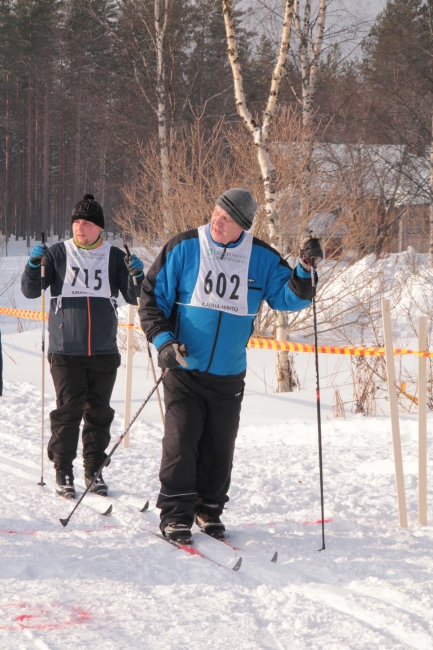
(171, 356)
(310, 252)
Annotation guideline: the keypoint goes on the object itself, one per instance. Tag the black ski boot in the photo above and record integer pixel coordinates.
(178, 532)
(99, 487)
(65, 483)
(207, 518)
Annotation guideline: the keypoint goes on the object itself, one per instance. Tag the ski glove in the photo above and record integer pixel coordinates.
(37, 254)
(134, 265)
(171, 356)
(310, 252)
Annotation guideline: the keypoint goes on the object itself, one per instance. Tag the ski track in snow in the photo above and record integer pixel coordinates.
(106, 583)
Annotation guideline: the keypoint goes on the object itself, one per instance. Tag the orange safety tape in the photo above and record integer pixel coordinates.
(262, 344)
(23, 313)
(291, 346)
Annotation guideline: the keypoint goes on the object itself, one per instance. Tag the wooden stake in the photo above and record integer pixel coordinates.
(422, 422)
(393, 408)
(129, 362)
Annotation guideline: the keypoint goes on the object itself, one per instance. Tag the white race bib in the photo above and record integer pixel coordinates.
(222, 281)
(86, 271)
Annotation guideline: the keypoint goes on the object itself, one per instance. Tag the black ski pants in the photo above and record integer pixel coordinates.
(83, 390)
(201, 425)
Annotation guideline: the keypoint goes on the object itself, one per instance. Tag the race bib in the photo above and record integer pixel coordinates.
(222, 281)
(86, 271)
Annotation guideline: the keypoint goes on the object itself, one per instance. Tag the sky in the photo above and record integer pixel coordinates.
(348, 20)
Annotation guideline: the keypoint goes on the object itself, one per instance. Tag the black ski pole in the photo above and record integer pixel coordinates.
(319, 423)
(41, 482)
(65, 522)
(149, 352)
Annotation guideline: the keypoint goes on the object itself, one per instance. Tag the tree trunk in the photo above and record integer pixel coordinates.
(61, 210)
(161, 16)
(430, 256)
(7, 166)
(77, 166)
(20, 193)
(62, 198)
(261, 139)
(309, 54)
(37, 165)
(29, 210)
(45, 220)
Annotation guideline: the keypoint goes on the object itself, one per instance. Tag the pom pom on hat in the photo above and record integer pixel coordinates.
(90, 210)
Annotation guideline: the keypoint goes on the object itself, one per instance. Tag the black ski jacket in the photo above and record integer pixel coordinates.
(82, 326)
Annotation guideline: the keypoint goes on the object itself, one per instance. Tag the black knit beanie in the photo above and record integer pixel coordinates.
(90, 210)
(240, 205)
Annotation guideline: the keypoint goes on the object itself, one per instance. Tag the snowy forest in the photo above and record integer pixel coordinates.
(92, 91)
(314, 119)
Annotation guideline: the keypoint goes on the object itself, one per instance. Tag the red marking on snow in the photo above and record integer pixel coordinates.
(17, 532)
(96, 530)
(44, 618)
(291, 521)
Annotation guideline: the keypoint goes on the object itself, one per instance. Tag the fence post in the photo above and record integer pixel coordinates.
(393, 408)
(422, 422)
(128, 383)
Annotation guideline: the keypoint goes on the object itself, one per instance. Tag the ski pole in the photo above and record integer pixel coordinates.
(65, 522)
(319, 423)
(41, 482)
(149, 352)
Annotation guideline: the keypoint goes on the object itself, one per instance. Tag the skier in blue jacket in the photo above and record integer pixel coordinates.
(198, 305)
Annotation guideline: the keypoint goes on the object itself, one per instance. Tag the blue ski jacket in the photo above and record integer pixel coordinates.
(216, 340)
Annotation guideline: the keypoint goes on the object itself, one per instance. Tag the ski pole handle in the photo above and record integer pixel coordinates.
(43, 264)
(128, 256)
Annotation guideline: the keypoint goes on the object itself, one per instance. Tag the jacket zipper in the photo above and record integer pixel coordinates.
(215, 341)
(89, 329)
(177, 329)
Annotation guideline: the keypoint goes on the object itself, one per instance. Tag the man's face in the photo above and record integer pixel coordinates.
(223, 229)
(85, 232)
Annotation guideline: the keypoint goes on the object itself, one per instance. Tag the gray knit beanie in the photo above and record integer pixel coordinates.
(240, 205)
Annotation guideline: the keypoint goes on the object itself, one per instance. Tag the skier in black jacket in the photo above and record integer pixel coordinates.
(85, 275)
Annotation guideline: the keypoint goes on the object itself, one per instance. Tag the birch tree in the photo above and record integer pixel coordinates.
(430, 254)
(144, 27)
(261, 133)
(310, 48)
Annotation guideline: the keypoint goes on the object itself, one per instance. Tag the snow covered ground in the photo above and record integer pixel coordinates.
(107, 583)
